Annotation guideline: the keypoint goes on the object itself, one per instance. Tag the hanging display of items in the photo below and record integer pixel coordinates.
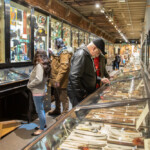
(86, 38)
(74, 38)
(66, 34)
(81, 38)
(2, 35)
(41, 28)
(20, 33)
(55, 31)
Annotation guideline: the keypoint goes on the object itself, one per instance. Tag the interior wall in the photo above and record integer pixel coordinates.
(146, 26)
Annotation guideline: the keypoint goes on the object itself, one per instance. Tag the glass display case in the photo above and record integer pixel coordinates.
(67, 34)
(41, 30)
(86, 38)
(81, 38)
(2, 33)
(20, 33)
(56, 27)
(75, 35)
(8, 76)
(104, 120)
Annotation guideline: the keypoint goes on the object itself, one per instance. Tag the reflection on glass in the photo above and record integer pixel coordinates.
(55, 31)
(20, 33)
(66, 34)
(23, 70)
(81, 38)
(41, 28)
(7, 76)
(75, 38)
(86, 38)
(2, 29)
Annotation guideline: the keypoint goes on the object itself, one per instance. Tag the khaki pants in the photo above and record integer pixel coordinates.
(61, 96)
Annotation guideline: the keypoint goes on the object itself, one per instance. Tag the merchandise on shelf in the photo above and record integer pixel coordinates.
(20, 33)
(75, 38)
(81, 38)
(86, 38)
(41, 29)
(67, 34)
(55, 31)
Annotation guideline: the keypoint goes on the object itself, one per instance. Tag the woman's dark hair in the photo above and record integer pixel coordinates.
(42, 58)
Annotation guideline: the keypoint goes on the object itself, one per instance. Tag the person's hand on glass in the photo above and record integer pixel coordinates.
(105, 80)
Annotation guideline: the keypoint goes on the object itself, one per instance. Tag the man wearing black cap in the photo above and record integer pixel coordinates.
(82, 77)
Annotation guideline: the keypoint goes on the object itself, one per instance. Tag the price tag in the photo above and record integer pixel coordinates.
(147, 144)
(142, 117)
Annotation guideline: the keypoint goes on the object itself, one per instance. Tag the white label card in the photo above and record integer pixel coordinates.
(147, 144)
(142, 116)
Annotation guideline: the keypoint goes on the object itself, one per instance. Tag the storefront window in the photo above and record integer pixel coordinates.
(20, 33)
(41, 30)
(2, 31)
(75, 38)
(86, 38)
(55, 31)
(81, 38)
(66, 34)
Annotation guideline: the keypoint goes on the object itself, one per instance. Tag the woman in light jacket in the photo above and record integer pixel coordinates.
(36, 84)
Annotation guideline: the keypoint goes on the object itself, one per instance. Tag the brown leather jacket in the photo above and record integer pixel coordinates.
(60, 67)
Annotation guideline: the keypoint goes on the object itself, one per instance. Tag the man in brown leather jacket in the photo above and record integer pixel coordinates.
(60, 67)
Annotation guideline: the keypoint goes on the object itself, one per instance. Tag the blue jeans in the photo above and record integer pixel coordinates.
(117, 65)
(39, 105)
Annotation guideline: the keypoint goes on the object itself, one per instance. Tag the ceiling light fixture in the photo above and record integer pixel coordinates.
(102, 10)
(97, 5)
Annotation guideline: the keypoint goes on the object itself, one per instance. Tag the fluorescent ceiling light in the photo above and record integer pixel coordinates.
(102, 11)
(122, 1)
(97, 5)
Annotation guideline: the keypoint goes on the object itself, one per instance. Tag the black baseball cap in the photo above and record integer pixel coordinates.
(99, 43)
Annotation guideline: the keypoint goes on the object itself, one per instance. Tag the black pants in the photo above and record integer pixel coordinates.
(73, 99)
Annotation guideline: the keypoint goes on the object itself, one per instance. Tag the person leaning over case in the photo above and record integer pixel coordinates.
(82, 76)
(60, 64)
(36, 84)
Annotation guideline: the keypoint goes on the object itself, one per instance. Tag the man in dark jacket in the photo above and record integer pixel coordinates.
(82, 77)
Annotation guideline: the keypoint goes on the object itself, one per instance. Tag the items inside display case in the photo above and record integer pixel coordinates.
(81, 38)
(75, 38)
(106, 120)
(90, 133)
(2, 33)
(55, 31)
(91, 38)
(14, 74)
(41, 28)
(66, 34)
(86, 38)
(20, 33)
